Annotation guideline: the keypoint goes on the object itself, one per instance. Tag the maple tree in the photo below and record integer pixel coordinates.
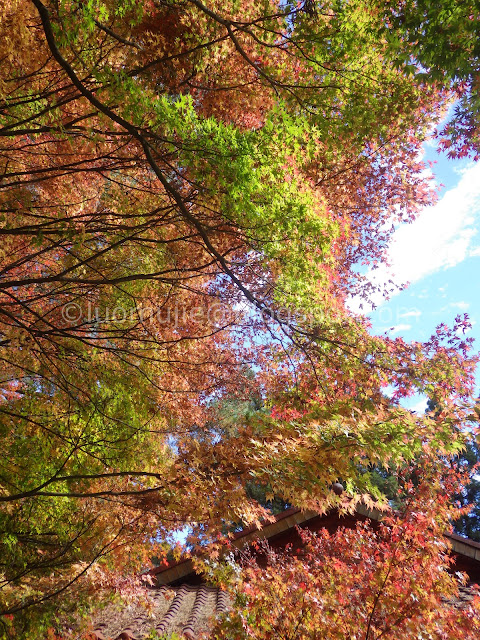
(395, 579)
(187, 194)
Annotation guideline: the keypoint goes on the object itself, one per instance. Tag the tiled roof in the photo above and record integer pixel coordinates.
(284, 521)
(466, 594)
(187, 610)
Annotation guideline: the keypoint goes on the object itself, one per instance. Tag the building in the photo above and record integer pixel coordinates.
(181, 602)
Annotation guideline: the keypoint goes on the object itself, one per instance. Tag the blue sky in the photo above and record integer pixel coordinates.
(439, 255)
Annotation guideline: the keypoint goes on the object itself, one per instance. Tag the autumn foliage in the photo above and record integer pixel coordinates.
(393, 579)
(190, 196)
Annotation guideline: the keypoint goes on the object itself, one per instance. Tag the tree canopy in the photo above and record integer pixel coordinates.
(394, 580)
(190, 195)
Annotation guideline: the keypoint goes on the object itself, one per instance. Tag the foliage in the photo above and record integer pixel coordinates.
(442, 43)
(189, 194)
(469, 523)
(388, 581)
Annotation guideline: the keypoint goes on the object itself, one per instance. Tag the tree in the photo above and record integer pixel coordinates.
(187, 194)
(442, 42)
(390, 581)
(469, 523)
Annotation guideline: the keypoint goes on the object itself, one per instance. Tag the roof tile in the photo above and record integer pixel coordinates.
(186, 610)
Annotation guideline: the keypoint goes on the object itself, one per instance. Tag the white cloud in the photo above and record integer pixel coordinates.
(397, 328)
(419, 407)
(462, 168)
(441, 237)
(414, 313)
(475, 252)
(461, 306)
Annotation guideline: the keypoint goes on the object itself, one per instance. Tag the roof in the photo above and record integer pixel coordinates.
(284, 521)
(181, 603)
(467, 551)
(187, 610)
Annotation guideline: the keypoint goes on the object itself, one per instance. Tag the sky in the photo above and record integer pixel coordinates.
(439, 256)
